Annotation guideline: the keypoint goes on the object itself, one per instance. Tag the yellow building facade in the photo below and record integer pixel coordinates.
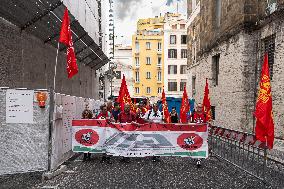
(148, 57)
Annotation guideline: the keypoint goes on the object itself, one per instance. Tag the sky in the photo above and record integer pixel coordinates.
(127, 13)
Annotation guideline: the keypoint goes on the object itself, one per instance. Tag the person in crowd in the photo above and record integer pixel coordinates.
(116, 111)
(140, 112)
(156, 116)
(126, 117)
(87, 114)
(198, 116)
(174, 115)
(104, 114)
(109, 106)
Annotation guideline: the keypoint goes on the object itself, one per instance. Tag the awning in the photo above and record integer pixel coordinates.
(42, 18)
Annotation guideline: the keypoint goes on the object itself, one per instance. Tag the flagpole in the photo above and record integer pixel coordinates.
(55, 67)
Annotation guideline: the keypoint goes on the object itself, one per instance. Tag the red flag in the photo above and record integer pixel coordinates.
(123, 82)
(165, 108)
(206, 102)
(264, 129)
(66, 38)
(184, 107)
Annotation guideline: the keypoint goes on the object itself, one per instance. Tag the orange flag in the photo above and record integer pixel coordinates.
(264, 129)
(66, 39)
(184, 107)
(206, 102)
(165, 108)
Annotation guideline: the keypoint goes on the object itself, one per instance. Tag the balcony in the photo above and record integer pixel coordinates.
(159, 51)
(137, 66)
(159, 66)
(159, 82)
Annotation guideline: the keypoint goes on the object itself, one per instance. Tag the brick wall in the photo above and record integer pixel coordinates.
(25, 61)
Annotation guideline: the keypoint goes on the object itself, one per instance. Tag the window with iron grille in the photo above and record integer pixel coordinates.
(172, 85)
(269, 47)
(172, 53)
(213, 112)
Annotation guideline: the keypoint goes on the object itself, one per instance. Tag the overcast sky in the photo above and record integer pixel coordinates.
(127, 12)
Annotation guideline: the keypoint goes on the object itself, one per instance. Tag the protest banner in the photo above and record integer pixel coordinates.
(140, 140)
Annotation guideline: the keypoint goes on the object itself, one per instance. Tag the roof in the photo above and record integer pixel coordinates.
(42, 19)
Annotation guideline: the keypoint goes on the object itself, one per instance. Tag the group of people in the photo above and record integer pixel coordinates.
(141, 114)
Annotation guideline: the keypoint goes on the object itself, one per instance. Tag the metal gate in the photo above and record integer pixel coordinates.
(248, 154)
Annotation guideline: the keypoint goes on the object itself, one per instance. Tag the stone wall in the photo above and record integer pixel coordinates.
(239, 71)
(25, 61)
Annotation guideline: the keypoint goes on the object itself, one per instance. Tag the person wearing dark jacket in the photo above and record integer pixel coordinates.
(174, 115)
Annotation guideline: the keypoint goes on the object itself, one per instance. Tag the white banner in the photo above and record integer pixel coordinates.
(140, 140)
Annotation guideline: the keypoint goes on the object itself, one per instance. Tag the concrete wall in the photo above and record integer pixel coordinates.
(25, 61)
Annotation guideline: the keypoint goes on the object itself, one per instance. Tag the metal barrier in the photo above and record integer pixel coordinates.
(248, 154)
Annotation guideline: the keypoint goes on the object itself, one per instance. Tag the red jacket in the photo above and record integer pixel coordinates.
(126, 118)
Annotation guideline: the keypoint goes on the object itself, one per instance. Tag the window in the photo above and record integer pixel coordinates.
(193, 84)
(148, 45)
(159, 61)
(183, 39)
(148, 75)
(182, 26)
(172, 85)
(159, 46)
(213, 112)
(137, 79)
(159, 76)
(148, 90)
(148, 60)
(174, 26)
(183, 53)
(183, 69)
(137, 90)
(137, 46)
(172, 53)
(173, 39)
(269, 47)
(218, 13)
(159, 90)
(215, 69)
(172, 69)
(137, 63)
(118, 74)
(182, 84)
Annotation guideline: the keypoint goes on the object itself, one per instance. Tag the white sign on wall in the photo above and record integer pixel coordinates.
(19, 106)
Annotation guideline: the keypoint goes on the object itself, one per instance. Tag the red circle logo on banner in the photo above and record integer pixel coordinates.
(190, 141)
(87, 137)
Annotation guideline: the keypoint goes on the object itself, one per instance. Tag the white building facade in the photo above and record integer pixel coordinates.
(175, 58)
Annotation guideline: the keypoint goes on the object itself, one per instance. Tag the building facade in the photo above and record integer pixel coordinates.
(148, 57)
(227, 41)
(175, 59)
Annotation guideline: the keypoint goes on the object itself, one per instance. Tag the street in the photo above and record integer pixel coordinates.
(171, 172)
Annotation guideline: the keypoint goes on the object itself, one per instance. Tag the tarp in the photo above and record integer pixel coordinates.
(140, 140)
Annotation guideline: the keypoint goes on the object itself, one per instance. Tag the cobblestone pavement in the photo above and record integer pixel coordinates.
(171, 172)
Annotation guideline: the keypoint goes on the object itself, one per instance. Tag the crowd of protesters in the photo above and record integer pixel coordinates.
(141, 113)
